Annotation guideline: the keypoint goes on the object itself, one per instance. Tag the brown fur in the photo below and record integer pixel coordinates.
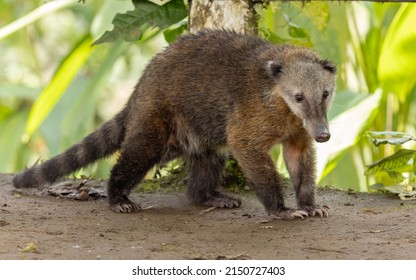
(207, 91)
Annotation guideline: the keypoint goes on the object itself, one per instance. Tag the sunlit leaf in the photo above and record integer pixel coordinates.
(391, 163)
(389, 137)
(131, 25)
(397, 65)
(51, 129)
(343, 134)
(60, 81)
(82, 112)
(397, 176)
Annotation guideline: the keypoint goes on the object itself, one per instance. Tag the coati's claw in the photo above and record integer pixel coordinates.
(323, 211)
(317, 211)
(223, 201)
(126, 207)
(290, 214)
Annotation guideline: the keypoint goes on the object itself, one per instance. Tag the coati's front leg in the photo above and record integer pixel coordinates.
(259, 169)
(299, 156)
(204, 179)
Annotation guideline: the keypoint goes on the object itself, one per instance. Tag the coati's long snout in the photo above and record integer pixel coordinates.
(317, 128)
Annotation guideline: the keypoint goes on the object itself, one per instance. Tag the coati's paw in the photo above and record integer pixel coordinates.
(322, 211)
(223, 201)
(125, 205)
(289, 214)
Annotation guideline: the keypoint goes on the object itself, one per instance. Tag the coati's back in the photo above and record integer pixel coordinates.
(197, 79)
(203, 76)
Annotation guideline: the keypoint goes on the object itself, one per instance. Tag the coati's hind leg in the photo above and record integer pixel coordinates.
(204, 179)
(139, 153)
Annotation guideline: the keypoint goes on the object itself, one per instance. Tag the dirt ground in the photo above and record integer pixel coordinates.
(360, 226)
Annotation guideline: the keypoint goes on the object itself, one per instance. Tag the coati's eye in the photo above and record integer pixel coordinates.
(299, 98)
(325, 94)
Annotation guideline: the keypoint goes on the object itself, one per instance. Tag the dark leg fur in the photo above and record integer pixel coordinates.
(300, 161)
(139, 153)
(125, 175)
(204, 179)
(260, 171)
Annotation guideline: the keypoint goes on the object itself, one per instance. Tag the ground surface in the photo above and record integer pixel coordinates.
(361, 226)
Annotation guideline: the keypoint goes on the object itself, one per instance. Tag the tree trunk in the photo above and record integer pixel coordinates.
(237, 15)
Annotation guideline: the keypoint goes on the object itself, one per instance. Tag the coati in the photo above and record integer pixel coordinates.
(207, 91)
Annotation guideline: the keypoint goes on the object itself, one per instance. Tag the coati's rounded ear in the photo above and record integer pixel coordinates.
(328, 65)
(273, 68)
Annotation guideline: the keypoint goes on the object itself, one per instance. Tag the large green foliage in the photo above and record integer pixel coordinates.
(398, 55)
(131, 25)
(59, 83)
(397, 171)
(54, 80)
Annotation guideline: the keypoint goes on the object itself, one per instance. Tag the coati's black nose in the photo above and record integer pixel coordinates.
(322, 134)
(322, 137)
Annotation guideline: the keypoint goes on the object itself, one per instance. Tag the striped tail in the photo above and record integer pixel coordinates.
(103, 142)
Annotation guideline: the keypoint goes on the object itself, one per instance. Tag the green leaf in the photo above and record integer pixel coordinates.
(397, 67)
(414, 166)
(397, 176)
(103, 18)
(389, 137)
(53, 125)
(60, 81)
(131, 25)
(344, 101)
(405, 192)
(5, 111)
(391, 163)
(18, 91)
(82, 112)
(11, 132)
(345, 135)
(172, 34)
(296, 31)
(317, 11)
(272, 37)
